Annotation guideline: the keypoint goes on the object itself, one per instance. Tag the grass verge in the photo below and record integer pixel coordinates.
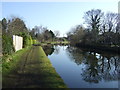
(9, 61)
(30, 68)
(51, 77)
(56, 43)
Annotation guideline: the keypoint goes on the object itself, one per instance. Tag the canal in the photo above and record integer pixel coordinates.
(80, 68)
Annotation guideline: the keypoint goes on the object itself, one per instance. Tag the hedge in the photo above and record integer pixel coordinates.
(27, 40)
(7, 44)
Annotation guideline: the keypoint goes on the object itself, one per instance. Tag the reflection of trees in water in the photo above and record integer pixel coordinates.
(97, 66)
(49, 49)
(104, 67)
(75, 54)
(57, 49)
(109, 68)
(90, 72)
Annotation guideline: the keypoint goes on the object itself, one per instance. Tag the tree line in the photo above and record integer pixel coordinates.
(43, 34)
(16, 26)
(102, 29)
(10, 27)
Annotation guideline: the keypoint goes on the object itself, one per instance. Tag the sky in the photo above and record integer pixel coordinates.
(60, 16)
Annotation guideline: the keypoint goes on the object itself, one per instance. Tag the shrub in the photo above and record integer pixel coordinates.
(31, 41)
(7, 44)
(27, 40)
(34, 41)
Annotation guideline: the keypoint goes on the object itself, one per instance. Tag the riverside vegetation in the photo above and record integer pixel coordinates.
(28, 67)
(103, 33)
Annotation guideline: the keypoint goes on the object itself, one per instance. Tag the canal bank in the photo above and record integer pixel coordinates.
(32, 70)
(85, 69)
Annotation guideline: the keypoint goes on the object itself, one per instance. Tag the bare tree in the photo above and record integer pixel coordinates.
(111, 21)
(110, 27)
(57, 33)
(118, 24)
(93, 20)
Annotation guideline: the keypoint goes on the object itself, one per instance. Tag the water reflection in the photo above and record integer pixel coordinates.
(49, 49)
(57, 49)
(98, 67)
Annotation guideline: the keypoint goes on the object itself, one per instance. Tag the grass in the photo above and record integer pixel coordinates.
(9, 61)
(31, 68)
(51, 76)
(55, 42)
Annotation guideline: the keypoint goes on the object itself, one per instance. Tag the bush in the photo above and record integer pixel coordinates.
(34, 41)
(7, 44)
(31, 41)
(27, 40)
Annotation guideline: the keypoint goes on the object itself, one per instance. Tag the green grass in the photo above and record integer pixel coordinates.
(9, 61)
(51, 77)
(35, 68)
(55, 42)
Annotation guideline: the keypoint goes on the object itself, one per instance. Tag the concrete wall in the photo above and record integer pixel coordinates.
(17, 42)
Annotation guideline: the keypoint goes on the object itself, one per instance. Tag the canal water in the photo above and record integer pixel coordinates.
(81, 68)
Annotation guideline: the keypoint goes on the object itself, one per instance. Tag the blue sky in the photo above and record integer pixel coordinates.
(60, 16)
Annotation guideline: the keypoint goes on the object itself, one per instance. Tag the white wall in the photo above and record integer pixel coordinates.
(17, 42)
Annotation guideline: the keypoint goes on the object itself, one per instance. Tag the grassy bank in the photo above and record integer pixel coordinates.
(30, 68)
(51, 75)
(9, 61)
(56, 43)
